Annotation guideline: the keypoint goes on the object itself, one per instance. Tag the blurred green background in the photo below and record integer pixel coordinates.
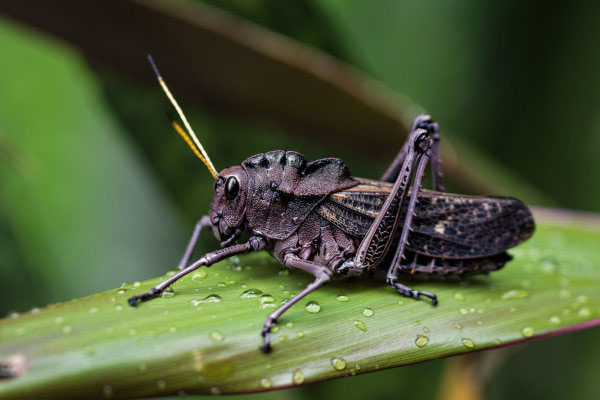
(95, 189)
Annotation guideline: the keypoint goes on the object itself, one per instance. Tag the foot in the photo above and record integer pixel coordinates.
(135, 300)
(266, 334)
(413, 294)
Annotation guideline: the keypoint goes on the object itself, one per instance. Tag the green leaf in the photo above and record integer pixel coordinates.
(98, 346)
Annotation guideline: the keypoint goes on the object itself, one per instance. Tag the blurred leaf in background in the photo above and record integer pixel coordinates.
(83, 214)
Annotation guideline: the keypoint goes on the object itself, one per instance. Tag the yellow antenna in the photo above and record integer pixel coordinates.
(194, 143)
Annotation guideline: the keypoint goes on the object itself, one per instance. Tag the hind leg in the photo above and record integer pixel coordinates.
(421, 122)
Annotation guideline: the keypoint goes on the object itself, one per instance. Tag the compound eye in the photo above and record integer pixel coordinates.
(232, 188)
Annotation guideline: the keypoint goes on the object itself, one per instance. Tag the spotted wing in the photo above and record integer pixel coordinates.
(445, 225)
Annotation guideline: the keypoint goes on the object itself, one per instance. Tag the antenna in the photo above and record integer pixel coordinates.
(189, 136)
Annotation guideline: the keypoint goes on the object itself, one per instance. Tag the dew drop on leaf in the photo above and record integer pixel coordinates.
(211, 298)
(360, 325)
(251, 293)
(312, 307)
(266, 298)
(199, 275)
(298, 377)
(468, 343)
(527, 331)
(266, 383)
(515, 294)
(338, 363)
(421, 340)
(367, 312)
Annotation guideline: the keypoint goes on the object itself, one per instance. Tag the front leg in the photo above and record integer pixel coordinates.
(255, 243)
(203, 223)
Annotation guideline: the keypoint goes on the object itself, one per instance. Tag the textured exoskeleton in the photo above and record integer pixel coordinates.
(316, 217)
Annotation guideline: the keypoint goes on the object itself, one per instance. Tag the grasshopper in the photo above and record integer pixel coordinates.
(316, 217)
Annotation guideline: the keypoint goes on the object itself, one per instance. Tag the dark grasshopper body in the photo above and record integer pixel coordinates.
(318, 218)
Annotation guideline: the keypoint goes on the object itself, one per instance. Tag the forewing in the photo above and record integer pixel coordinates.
(445, 225)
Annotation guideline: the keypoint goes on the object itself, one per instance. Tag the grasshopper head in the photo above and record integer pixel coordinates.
(228, 205)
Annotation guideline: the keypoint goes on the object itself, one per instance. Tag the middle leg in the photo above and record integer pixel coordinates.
(322, 275)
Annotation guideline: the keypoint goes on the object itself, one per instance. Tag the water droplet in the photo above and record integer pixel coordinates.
(468, 343)
(216, 336)
(472, 309)
(312, 307)
(360, 325)
(515, 294)
(338, 363)
(35, 310)
(416, 323)
(221, 284)
(464, 311)
(401, 302)
(564, 293)
(282, 338)
(211, 298)
(94, 310)
(298, 377)
(458, 326)
(266, 383)
(459, 296)
(107, 392)
(199, 275)
(235, 260)
(161, 384)
(172, 329)
(66, 329)
(267, 306)
(582, 299)
(300, 334)
(421, 340)
(289, 325)
(275, 328)
(122, 291)
(426, 330)
(118, 307)
(167, 293)
(479, 323)
(367, 312)
(137, 284)
(266, 298)
(343, 298)
(194, 303)
(555, 320)
(584, 312)
(251, 293)
(527, 331)
(58, 320)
